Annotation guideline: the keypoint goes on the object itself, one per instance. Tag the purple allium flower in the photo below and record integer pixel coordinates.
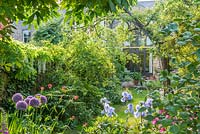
(27, 100)
(29, 97)
(43, 99)
(21, 105)
(38, 95)
(4, 132)
(34, 102)
(17, 97)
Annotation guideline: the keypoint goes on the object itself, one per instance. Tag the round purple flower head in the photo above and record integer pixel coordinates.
(29, 97)
(34, 102)
(43, 99)
(27, 100)
(17, 97)
(21, 105)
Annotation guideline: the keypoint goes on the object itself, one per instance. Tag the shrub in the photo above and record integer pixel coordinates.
(108, 125)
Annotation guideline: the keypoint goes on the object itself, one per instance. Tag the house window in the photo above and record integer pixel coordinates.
(26, 36)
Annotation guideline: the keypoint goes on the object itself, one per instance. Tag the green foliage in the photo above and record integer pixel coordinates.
(18, 58)
(136, 76)
(88, 60)
(31, 121)
(76, 11)
(180, 112)
(108, 125)
(51, 31)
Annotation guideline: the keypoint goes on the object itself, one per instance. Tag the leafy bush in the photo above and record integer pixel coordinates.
(109, 125)
(181, 117)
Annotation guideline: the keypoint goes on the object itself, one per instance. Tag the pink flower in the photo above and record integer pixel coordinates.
(161, 111)
(41, 88)
(173, 122)
(49, 86)
(162, 130)
(167, 116)
(154, 121)
(76, 97)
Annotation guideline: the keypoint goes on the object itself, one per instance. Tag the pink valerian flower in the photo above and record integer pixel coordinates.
(154, 121)
(167, 116)
(162, 130)
(162, 111)
(50, 85)
(76, 97)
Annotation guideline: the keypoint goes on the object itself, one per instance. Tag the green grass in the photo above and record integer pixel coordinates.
(138, 95)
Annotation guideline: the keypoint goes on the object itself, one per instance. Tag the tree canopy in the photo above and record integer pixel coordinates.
(28, 10)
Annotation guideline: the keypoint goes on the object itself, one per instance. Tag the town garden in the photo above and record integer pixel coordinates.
(71, 77)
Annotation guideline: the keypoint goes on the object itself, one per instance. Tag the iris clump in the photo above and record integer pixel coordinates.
(21, 105)
(126, 96)
(129, 109)
(147, 104)
(108, 110)
(137, 113)
(17, 97)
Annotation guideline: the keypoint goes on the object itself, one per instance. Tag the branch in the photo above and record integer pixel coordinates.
(137, 23)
